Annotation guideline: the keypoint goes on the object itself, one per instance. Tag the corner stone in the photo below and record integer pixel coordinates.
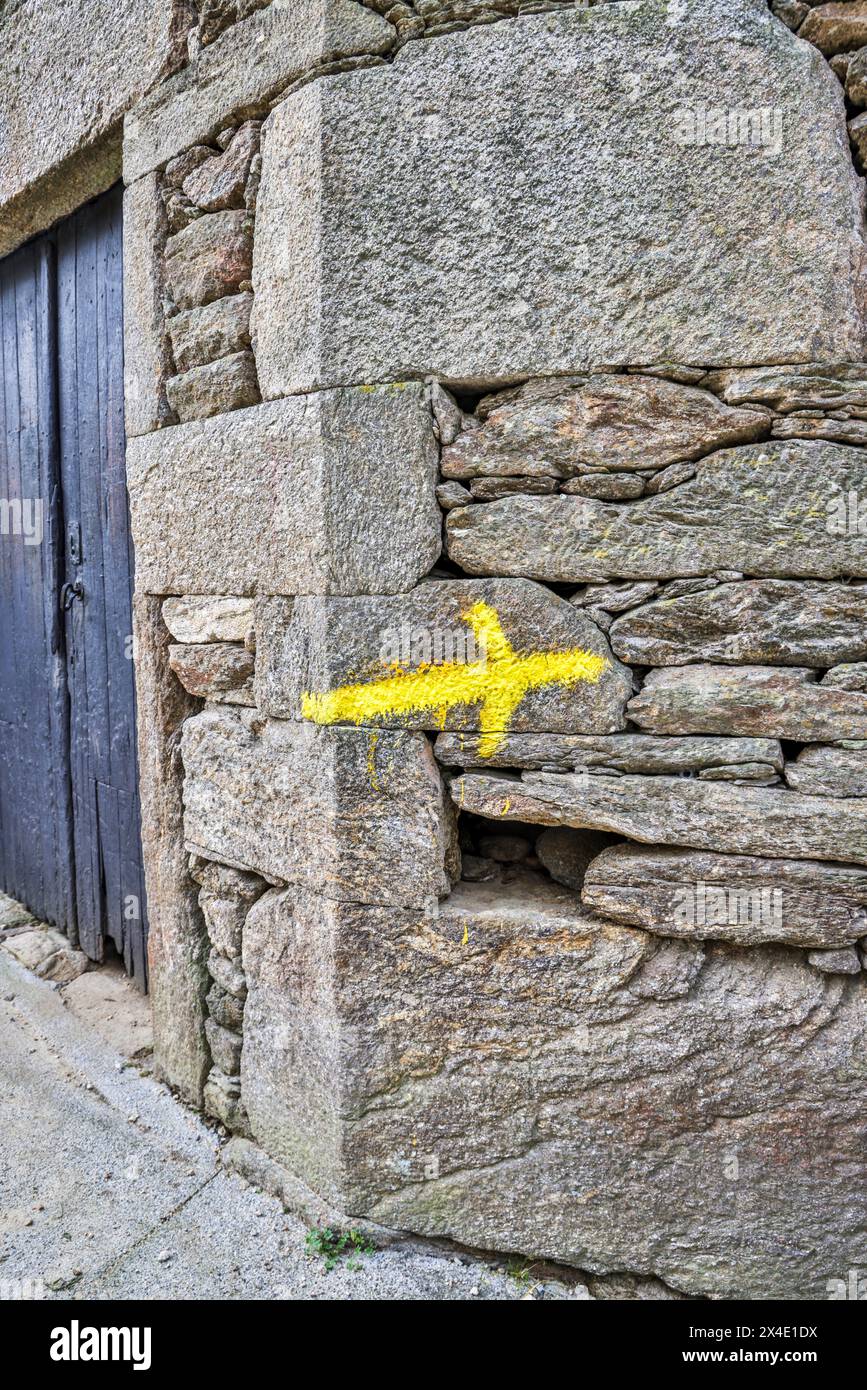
(362, 165)
(290, 497)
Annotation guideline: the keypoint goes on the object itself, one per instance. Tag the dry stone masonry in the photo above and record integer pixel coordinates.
(496, 400)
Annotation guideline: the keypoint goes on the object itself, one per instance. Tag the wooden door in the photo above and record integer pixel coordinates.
(87, 590)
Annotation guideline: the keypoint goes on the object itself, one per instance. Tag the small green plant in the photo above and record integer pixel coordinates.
(520, 1272)
(332, 1245)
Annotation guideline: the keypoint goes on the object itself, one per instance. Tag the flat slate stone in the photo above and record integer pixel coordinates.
(298, 496)
(313, 646)
(346, 813)
(729, 897)
(805, 386)
(849, 676)
(763, 511)
(829, 772)
(620, 753)
(504, 183)
(568, 1080)
(773, 701)
(561, 428)
(768, 821)
(781, 622)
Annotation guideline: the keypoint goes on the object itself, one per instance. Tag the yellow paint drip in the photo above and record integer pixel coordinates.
(498, 684)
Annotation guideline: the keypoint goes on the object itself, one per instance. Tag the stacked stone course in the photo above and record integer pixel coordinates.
(541, 983)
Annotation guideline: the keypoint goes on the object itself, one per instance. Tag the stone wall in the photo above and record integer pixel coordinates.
(496, 404)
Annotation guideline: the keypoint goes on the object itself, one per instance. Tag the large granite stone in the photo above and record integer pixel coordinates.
(768, 821)
(515, 1073)
(619, 753)
(782, 622)
(764, 511)
(346, 813)
(146, 354)
(729, 897)
(306, 495)
(311, 647)
(560, 428)
(243, 70)
(72, 70)
(539, 193)
(177, 939)
(779, 702)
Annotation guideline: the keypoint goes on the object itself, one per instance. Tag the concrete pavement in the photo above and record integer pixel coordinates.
(109, 1188)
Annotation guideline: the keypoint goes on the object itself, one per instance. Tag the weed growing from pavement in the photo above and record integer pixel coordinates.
(333, 1245)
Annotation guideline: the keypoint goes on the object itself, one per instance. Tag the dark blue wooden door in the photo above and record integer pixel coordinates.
(92, 587)
(35, 805)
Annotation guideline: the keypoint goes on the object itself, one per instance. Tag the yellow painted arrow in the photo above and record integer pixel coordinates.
(498, 683)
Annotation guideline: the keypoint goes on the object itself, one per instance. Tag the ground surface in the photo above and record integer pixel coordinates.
(109, 1188)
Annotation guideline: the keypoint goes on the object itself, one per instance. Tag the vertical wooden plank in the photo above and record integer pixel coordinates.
(105, 779)
(35, 859)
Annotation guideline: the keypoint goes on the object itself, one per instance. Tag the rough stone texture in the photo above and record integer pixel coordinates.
(561, 428)
(146, 356)
(614, 598)
(782, 622)
(566, 853)
(177, 939)
(222, 1100)
(829, 772)
(216, 330)
(836, 962)
(856, 78)
(219, 182)
(781, 702)
(608, 1146)
(225, 898)
(220, 671)
(225, 1047)
(48, 954)
(73, 71)
(767, 821)
(534, 261)
(836, 27)
(243, 70)
(849, 676)
(304, 495)
(217, 15)
(620, 753)
(343, 812)
(209, 258)
(316, 645)
(764, 511)
(224, 1008)
(809, 386)
(793, 902)
(229, 384)
(203, 619)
